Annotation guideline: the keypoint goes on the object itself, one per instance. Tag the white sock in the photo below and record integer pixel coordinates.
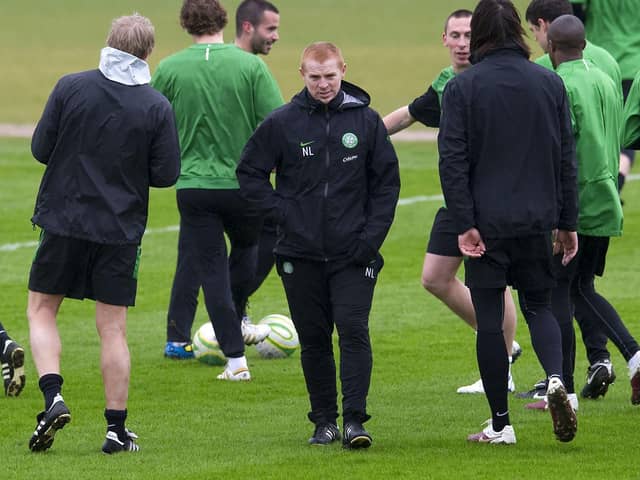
(236, 364)
(634, 363)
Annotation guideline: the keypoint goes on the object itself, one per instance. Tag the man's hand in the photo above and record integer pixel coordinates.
(470, 243)
(566, 242)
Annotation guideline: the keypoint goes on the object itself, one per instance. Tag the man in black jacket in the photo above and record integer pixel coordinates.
(508, 173)
(337, 185)
(105, 137)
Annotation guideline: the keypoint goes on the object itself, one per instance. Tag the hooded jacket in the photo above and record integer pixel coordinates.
(337, 176)
(105, 137)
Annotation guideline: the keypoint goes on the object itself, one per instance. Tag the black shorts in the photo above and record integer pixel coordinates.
(524, 262)
(82, 269)
(588, 262)
(631, 155)
(443, 239)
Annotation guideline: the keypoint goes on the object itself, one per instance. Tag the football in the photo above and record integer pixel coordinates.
(282, 340)
(205, 346)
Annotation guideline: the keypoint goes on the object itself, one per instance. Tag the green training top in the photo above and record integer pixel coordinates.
(596, 112)
(615, 26)
(441, 81)
(631, 129)
(219, 94)
(599, 57)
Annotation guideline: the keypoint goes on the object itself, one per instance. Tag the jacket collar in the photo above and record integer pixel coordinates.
(124, 68)
(349, 96)
(509, 49)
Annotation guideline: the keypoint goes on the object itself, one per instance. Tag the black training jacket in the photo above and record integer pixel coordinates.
(507, 152)
(104, 145)
(337, 178)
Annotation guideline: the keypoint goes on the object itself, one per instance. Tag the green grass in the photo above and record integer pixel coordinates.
(393, 49)
(192, 426)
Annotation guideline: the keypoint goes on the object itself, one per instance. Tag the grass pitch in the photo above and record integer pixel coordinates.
(193, 426)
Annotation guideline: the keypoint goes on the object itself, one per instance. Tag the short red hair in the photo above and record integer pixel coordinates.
(321, 52)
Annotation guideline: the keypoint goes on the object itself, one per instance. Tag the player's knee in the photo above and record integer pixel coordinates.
(434, 285)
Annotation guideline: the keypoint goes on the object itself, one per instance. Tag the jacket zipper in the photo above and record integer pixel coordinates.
(326, 178)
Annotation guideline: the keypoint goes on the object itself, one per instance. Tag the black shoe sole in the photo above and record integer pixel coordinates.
(16, 384)
(361, 441)
(565, 423)
(44, 440)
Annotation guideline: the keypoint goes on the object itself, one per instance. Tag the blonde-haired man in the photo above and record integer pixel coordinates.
(105, 137)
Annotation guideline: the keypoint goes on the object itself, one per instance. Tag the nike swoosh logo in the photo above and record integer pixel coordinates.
(306, 144)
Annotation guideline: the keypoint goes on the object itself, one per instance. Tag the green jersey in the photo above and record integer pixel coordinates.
(631, 129)
(599, 57)
(219, 94)
(614, 25)
(441, 81)
(596, 111)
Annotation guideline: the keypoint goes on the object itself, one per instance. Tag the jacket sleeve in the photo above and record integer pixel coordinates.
(259, 157)
(426, 108)
(383, 182)
(631, 128)
(45, 135)
(164, 161)
(454, 163)
(568, 182)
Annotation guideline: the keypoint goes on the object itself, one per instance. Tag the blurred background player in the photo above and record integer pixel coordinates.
(219, 94)
(613, 25)
(600, 373)
(107, 136)
(510, 242)
(12, 360)
(443, 258)
(328, 263)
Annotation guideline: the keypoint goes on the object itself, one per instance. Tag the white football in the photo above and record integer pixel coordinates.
(282, 340)
(205, 346)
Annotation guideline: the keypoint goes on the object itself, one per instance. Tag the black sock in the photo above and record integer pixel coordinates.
(621, 180)
(50, 385)
(493, 359)
(115, 422)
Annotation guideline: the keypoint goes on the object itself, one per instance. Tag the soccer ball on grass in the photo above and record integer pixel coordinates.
(282, 340)
(205, 346)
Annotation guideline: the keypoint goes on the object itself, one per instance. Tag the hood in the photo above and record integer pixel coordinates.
(350, 96)
(124, 68)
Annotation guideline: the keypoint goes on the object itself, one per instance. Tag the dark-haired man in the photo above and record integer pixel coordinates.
(505, 123)
(257, 23)
(219, 93)
(443, 258)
